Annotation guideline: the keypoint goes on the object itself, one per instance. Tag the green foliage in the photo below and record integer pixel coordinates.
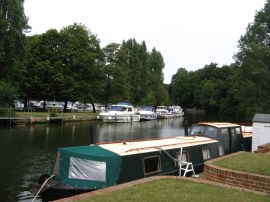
(53, 112)
(62, 65)
(13, 24)
(8, 93)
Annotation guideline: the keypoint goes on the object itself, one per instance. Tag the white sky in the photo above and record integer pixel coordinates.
(188, 33)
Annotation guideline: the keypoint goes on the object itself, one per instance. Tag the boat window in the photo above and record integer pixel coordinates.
(238, 130)
(224, 131)
(206, 153)
(87, 169)
(221, 150)
(232, 131)
(211, 131)
(151, 164)
(196, 130)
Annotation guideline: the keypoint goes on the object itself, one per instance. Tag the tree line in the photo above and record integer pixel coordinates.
(70, 65)
(240, 89)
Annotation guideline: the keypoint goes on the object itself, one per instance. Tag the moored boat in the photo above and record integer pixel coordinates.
(176, 111)
(163, 112)
(86, 168)
(121, 112)
(147, 113)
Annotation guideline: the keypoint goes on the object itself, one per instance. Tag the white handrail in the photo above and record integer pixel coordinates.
(180, 160)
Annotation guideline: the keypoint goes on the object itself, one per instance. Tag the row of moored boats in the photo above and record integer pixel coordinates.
(125, 112)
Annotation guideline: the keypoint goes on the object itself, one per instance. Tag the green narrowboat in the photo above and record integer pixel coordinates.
(85, 168)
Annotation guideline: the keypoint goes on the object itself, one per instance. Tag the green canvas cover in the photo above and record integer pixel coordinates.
(89, 167)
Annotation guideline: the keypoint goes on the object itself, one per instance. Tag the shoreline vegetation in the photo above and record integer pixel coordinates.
(31, 117)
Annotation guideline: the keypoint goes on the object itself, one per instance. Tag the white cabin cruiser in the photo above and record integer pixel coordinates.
(122, 112)
(163, 112)
(176, 111)
(147, 113)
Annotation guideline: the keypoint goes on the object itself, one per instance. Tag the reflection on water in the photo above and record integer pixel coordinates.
(27, 151)
(139, 130)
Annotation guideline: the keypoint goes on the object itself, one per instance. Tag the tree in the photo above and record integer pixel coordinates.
(115, 75)
(43, 72)
(253, 59)
(181, 88)
(13, 25)
(63, 65)
(8, 93)
(81, 58)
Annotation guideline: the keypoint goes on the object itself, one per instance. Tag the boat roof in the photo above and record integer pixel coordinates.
(218, 124)
(135, 147)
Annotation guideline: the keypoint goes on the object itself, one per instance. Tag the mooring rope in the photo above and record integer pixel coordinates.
(42, 187)
(174, 159)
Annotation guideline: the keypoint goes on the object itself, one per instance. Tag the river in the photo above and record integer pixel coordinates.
(27, 151)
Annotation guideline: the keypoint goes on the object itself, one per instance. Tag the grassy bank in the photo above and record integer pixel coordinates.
(258, 163)
(178, 190)
(59, 114)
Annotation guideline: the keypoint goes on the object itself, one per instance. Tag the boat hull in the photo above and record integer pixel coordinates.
(121, 119)
(56, 190)
(164, 116)
(148, 117)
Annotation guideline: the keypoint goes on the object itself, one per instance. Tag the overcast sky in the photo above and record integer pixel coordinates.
(188, 33)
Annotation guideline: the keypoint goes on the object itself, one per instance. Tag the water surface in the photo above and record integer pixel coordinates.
(27, 151)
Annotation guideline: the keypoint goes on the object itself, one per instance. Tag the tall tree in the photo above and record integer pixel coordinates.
(138, 66)
(116, 74)
(13, 24)
(156, 65)
(64, 65)
(254, 61)
(81, 57)
(181, 88)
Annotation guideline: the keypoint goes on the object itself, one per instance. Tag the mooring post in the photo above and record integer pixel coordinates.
(91, 134)
(186, 126)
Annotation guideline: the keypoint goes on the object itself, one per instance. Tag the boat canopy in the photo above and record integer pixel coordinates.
(87, 166)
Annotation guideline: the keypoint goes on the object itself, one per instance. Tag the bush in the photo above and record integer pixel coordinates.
(53, 112)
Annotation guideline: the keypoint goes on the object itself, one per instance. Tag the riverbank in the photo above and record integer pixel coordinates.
(45, 117)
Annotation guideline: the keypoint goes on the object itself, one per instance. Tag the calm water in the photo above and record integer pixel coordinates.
(27, 151)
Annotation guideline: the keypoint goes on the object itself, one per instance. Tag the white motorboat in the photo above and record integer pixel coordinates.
(122, 112)
(147, 113)
(163, 112)
(176, 111)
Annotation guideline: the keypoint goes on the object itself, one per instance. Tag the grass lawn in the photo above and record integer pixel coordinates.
(178, 190)
(257, 163)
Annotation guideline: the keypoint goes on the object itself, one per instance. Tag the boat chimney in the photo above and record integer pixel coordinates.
(185, 121)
